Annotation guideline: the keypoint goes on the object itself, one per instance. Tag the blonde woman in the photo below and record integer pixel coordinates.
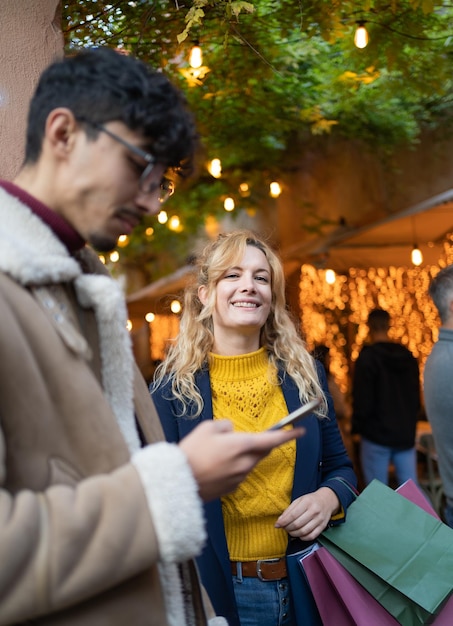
(239, 356)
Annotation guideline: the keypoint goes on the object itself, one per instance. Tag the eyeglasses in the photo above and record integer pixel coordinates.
(166, 187)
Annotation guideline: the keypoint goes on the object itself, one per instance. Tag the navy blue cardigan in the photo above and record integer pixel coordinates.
(320, 457)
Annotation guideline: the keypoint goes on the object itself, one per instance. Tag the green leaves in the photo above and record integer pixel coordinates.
(280, 71)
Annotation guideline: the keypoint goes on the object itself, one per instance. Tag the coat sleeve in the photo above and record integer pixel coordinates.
(67, 544)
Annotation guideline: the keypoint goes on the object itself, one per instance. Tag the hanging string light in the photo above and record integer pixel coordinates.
(275, 189)
(215, 168)
(361, 35)
(331, 277)
(196, 56)
(229, 204)
(196, 72)
(416, 254)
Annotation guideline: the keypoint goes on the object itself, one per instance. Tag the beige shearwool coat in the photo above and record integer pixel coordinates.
(94, 531)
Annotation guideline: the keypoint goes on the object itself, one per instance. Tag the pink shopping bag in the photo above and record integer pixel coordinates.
(340, 599)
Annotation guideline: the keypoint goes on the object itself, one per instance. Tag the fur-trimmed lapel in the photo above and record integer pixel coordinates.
(32, 255)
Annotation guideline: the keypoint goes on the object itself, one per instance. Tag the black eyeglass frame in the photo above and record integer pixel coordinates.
(166, 186)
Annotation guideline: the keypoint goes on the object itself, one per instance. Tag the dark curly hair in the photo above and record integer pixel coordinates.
(101, 85)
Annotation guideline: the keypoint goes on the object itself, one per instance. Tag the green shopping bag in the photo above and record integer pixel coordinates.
(402, 555)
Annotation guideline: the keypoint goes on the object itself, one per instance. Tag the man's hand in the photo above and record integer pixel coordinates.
(220, 458)
(307, 516)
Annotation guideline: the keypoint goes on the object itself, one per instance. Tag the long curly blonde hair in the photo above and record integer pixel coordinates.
(190, 350)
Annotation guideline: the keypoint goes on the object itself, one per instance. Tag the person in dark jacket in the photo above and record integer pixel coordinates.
(386, 403)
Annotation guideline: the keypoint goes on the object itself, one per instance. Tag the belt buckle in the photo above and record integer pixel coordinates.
(258, 567)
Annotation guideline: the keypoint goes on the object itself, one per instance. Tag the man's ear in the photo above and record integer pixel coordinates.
(60, 130)
(450, 310)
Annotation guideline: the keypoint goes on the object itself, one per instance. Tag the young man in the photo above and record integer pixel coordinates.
(95, 528)
(437, 382)
(386, 402)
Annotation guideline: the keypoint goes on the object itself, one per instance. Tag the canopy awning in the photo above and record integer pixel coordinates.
(386, 243)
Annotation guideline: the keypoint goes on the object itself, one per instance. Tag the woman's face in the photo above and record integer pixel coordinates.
(243, 296)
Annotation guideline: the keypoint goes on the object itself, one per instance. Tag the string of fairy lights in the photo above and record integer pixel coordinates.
(335, 313)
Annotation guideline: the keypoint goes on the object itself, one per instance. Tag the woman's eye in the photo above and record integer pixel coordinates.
(264, 279)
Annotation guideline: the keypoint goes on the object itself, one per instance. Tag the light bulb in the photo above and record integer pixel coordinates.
(416, 255)
(175, 306)
(162, 217)
(228, 205)
(196, 57)
(215, 168)
(275, 189)
(330, 277)
(361, 36)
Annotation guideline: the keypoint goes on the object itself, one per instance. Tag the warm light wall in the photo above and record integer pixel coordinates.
(336, 314)
(163, 329)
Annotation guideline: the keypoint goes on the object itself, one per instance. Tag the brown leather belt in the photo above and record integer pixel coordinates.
(271, 569)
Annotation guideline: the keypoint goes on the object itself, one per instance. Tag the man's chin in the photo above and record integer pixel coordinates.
(102, 243)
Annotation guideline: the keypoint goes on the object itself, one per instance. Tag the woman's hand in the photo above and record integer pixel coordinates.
(307, 516)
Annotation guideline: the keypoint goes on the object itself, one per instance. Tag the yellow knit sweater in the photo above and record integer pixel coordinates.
(244, 392)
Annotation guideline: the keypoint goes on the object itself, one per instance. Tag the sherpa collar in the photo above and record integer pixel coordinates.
(34, 256)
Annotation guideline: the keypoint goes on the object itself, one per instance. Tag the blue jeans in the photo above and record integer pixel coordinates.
(375, 460)
(262, 603)
(448, 515)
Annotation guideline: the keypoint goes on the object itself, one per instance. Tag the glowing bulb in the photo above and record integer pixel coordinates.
(228, 205)
(123, 240)
(129, 325)
(330, 277)
(174, 223)
(114, 256)
(361, 36)
(162, 217)
(196, 57)
(175, 306)
(416, 255)
(274, 189)
(150, 317)
(244, 190)
(215, 168)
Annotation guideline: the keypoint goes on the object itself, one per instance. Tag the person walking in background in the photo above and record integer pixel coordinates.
(238, 355)
(97, 527)
(438, 387)
(386, 404)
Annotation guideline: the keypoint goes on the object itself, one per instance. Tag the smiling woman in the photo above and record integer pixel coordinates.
(238, 356)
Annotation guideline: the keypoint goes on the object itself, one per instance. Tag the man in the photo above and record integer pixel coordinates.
(95, 529)
(438, 387)
(386, 402)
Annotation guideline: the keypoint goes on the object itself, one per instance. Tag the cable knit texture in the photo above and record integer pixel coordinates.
(245, 390)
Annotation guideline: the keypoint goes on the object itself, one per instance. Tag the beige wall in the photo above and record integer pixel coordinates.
(332, 178)
(30, 38)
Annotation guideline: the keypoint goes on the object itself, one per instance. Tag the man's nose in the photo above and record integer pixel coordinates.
(148, 203)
